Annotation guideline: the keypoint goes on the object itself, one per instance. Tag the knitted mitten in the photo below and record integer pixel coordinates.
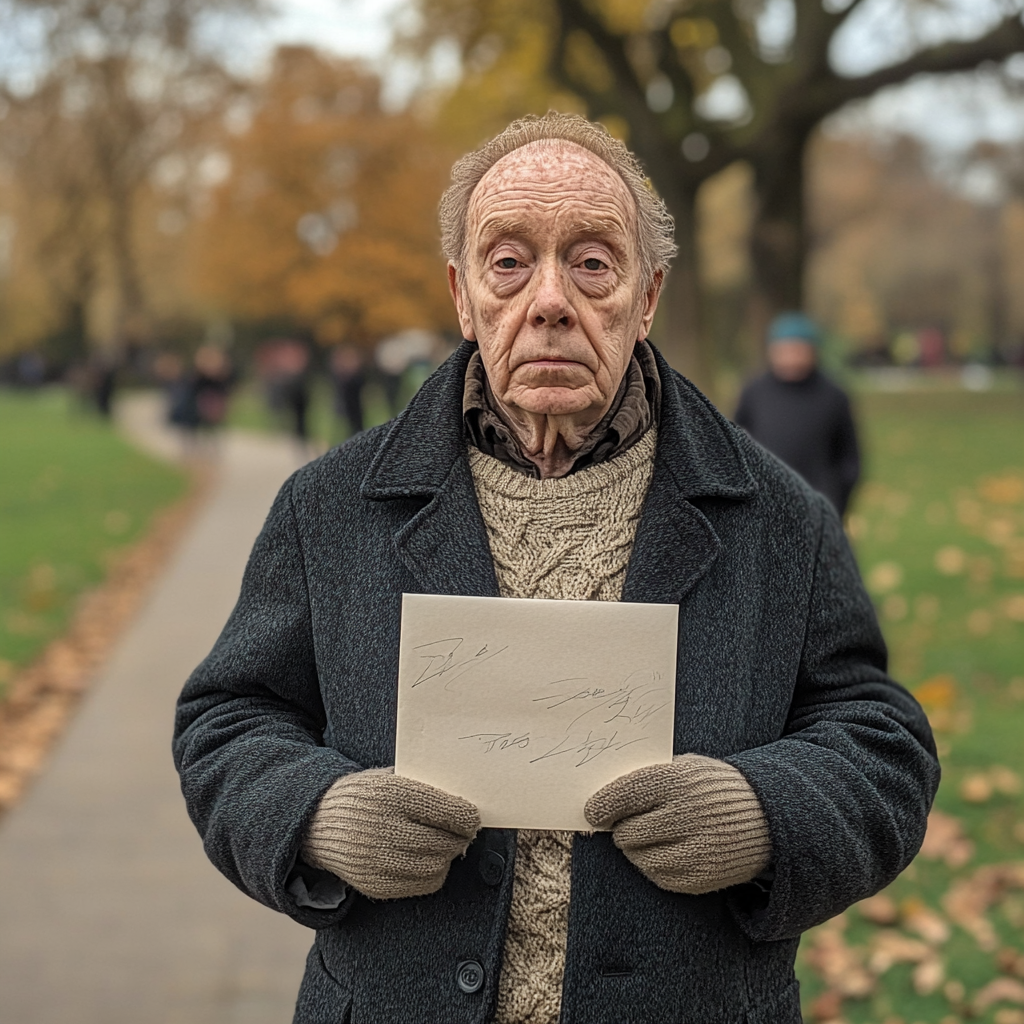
(388, 836)
(692, 826)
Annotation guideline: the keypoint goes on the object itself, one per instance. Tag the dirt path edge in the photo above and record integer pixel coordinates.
(41, 699)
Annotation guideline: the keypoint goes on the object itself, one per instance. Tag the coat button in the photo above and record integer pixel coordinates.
(491, 867)
(470, 976)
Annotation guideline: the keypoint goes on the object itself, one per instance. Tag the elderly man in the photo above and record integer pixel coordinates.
(556, 455)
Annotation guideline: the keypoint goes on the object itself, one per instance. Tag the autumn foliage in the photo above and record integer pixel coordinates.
(328, 214)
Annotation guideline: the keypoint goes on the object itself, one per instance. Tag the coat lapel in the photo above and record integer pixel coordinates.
(697, 457)
(444, 543)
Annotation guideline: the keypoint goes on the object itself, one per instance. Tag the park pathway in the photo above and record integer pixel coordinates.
(110, 912)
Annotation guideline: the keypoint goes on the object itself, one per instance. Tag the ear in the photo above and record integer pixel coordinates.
(650, 306)
(461, 305)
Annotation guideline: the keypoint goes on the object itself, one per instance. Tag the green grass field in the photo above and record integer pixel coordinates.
(939, 531)
(72, 492)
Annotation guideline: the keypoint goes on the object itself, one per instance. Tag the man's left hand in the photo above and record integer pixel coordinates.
(691, 826)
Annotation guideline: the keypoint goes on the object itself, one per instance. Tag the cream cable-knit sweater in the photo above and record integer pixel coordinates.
(567, 539)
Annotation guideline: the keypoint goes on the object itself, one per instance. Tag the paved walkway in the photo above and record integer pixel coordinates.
(109, 911)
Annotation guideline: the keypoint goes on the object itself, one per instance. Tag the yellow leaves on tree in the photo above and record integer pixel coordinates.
(328, 216)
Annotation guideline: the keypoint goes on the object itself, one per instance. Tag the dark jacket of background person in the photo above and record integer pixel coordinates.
(808, 424)
(782, 673)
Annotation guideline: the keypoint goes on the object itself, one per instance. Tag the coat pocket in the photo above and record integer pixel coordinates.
(321, 999)
(783, 1009)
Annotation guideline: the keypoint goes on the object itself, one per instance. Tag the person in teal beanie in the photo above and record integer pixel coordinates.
(800, 415)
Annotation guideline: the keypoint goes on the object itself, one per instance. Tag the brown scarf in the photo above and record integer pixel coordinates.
(637, 405)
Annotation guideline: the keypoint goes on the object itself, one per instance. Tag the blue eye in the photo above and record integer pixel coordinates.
(593, 264)
(508, 263)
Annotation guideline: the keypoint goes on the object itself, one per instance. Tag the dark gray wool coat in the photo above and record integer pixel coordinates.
(782, 672)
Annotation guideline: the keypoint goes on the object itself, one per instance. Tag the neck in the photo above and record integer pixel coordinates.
(551, 442)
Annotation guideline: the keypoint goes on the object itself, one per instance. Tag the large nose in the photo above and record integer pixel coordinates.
(550, 306)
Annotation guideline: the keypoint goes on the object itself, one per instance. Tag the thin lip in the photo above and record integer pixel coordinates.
(551, 362)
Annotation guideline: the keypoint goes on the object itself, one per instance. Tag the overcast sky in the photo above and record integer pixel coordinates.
(352, 27)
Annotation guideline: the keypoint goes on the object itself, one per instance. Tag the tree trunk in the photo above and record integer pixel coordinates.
(129, 324)
(678, 328)
(778, 241)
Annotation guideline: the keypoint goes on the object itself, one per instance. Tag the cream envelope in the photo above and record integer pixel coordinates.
(526, 708)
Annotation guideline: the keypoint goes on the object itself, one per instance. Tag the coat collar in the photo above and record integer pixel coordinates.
(696, 445)
(445, 546)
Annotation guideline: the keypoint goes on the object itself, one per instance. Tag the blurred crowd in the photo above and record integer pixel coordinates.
(286, 371)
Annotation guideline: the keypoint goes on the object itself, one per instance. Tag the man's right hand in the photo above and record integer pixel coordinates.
(388, 836)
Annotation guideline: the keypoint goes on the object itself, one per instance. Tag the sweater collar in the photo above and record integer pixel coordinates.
(697, 445)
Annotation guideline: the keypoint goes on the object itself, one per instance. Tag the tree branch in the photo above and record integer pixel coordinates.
(574, 14)
(649, 138)
(1003, 41)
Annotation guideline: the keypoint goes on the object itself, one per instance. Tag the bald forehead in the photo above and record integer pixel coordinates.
(556, 162)
(553, 167)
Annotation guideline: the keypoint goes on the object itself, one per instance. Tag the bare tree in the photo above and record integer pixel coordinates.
(122, 84)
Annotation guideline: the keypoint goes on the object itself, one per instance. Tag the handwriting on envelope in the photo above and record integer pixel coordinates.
(526, 708)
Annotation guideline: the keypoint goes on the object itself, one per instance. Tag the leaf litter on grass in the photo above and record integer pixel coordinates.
(943, 558)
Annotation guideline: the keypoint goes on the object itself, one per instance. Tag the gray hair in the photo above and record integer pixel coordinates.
(655, 227)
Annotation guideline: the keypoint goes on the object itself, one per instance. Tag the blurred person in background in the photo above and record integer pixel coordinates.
(211, 382)
(800, 415)
(348, 375)
(102, 377)
(557, 455)
(30, 370)
(169, 370)
(284, 364)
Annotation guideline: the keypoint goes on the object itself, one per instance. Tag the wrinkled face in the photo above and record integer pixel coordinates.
(792, 359)
(551, 288)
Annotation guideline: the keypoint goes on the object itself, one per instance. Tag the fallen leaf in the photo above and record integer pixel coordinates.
(840, 966)
(923, 921)
(889, 947)
(1004, 780)
(1006, 1016)
(928, 975)
(884, 577)
(827, 1006)
(976, 789)
(1013, 910)
(945, 841)
(938, 693)
(856, 526)
(1002, 490)
(1001, 990)
(968, 899)
(954, 991)
(880, 909)
(999, 531)
(950, 560)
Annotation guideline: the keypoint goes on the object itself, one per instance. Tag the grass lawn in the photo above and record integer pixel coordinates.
(939, 531)
(72, 492)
